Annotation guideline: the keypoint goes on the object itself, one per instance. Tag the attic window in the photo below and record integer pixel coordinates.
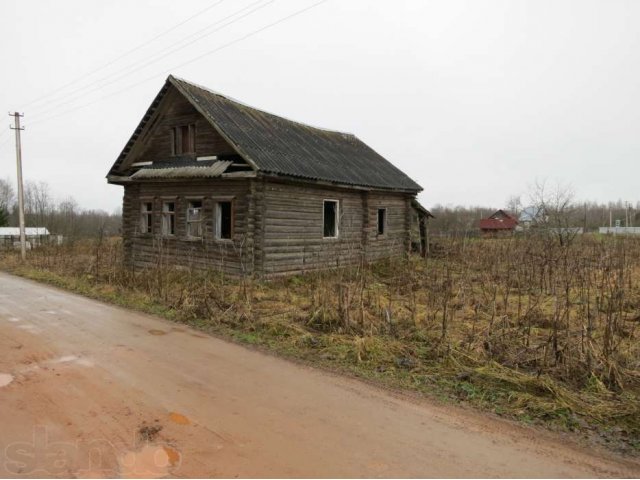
(183, 139)
(330, 223)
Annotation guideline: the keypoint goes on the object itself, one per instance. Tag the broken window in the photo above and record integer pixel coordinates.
(330, 228)
(194, 218)
(168, 218)
(183, 139)
(224, 220)
(146, 217)
(382, 221)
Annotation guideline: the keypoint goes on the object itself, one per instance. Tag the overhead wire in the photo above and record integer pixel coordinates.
(130, 69)
(192, 60)
(5, 141)
(125, 54)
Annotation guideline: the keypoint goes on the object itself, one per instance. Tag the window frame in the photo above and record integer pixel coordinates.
(168, 214)
(146, 216)
(189, 222)
(177, 139)
(385, 222)
(336, 221)
(217, 220)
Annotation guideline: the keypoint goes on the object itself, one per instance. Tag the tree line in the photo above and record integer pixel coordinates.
(62, 217)
(554, 206)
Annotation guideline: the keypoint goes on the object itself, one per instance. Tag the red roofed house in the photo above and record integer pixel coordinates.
(500, 223)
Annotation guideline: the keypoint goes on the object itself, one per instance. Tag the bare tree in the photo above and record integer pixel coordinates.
(67, 216)
(7, 193)
(7, 198)
(556, 210)
(514, 204)
(38, 203)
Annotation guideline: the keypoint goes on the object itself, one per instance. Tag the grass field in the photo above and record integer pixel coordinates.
(538, 330)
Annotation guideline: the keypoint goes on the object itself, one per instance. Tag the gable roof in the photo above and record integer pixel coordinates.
(500, 220)
(498, 214)
(278, 146)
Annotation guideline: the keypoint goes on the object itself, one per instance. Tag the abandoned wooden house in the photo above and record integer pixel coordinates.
(215, 184)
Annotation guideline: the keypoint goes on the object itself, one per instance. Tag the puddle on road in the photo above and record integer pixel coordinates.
(65, 359)
(85, 362)
(30, 328)
(152, 461)
(5, 379)
(13, 319)
(178, 418)
(157, 332)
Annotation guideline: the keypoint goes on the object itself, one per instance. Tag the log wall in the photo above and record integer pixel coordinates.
(233, 256)
(278, 226)
(293, 227)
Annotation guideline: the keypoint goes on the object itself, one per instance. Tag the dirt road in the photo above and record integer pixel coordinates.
(88, 390)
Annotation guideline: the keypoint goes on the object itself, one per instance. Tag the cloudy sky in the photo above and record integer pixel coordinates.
(473, 99)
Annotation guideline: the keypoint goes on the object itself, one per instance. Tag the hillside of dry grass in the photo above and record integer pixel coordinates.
(542, 331)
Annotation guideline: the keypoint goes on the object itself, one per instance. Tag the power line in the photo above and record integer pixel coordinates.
(132, 68)
(6, 140)
(127, 53)
(194, 59)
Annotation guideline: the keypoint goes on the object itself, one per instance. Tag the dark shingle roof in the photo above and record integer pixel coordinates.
(276, 145)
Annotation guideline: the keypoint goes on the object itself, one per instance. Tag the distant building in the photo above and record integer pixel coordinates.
(530, 216)
(499, 224)
(619, 230)
(36, 236)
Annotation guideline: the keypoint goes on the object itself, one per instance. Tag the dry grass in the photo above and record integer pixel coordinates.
(525, 327)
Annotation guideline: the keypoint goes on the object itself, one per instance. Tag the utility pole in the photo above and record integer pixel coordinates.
(23, 240)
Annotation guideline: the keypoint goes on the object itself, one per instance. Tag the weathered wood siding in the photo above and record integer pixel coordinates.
(175, 111)
(293, 227)
(278, 226)
(396, 238)
(145, 250)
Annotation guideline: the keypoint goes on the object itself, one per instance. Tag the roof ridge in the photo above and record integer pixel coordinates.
(245, 105)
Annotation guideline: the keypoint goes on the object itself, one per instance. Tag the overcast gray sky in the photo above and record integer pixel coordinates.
(473, 99)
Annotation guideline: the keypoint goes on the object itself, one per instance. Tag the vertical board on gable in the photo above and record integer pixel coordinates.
(176, 111)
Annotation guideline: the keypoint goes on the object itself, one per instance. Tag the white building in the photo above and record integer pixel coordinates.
(10, 237)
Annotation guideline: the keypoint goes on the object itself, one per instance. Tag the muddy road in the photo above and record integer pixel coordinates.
(91, 390)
